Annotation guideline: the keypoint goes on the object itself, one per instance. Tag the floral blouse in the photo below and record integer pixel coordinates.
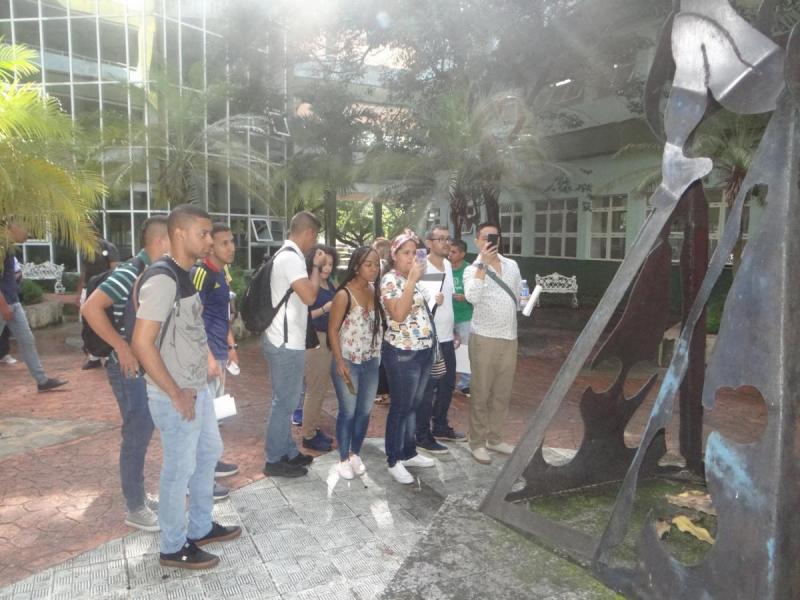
(414, 333)
(355, 335)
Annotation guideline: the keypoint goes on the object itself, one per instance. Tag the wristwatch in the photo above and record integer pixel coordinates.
(480, 266)
(234, 347)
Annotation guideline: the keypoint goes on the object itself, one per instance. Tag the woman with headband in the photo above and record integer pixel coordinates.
(407, 352)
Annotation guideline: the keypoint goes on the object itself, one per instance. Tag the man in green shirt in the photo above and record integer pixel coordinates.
(461, 308)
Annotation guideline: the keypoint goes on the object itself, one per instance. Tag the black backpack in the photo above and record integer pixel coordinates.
(162, 265)
(93, 343)
(256, 307)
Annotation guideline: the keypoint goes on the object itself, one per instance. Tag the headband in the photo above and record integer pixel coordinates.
(401, 239)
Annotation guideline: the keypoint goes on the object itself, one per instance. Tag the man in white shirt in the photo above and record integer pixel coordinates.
(492, 284)
(439, 392)
(284, 342)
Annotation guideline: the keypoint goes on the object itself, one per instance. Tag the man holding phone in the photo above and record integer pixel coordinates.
(492, 284)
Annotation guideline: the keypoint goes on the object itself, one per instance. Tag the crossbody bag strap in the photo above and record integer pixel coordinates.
(503, 285)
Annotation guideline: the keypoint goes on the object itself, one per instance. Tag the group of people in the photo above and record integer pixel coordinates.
(166, 315)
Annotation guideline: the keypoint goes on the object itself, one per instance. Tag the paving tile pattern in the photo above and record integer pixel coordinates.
(314, 537)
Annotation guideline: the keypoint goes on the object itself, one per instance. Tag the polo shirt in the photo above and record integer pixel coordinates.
(213, 285)
(288, 266)
(118, 287)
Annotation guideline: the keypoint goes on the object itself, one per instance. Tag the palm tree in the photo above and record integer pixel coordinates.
(730, 140)
(47, 194)
(178, 145)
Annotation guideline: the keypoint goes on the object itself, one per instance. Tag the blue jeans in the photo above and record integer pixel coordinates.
(438, 395)
(26, 344)
(191, 451)
(137, 429)
(462, 329)
(408, 372)
(286, 369)
(353, 419)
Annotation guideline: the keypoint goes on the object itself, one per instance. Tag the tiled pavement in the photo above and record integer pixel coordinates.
(59, 497)
(313, 537)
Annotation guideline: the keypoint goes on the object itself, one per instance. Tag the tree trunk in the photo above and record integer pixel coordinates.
(330, 217)
(377, 219)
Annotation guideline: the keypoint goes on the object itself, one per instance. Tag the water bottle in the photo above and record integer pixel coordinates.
(524, 295)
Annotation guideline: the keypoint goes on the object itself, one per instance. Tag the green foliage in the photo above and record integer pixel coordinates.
(355, 221)
(39, 182)
(30, 292)
(238, 281)
(714, 313)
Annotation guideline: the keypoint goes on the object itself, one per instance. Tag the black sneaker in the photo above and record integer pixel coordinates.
(189, 557)
(449, 435)
(301, 460)
(431, 446)
(317, 443)
(51, 384)
(225, 469)
(218, 533)
(465, 391)
(283, 468)
(92, 364)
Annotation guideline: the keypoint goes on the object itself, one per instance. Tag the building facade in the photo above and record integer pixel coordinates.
(103, 60)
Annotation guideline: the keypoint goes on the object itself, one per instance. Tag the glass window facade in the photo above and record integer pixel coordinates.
(91, 52)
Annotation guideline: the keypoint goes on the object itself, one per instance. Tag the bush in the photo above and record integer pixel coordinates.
(30, 292)
(70, 281)
(714, 313)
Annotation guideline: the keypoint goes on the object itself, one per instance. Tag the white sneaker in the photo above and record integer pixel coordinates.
(399, 473)
(144, 519)
(481, 455)
(345, 470)
(419, 461)
(8, 359)
(502, 448)
(357, 464)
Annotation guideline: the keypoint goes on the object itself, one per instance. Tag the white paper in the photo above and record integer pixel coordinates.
(433, 283)
(462, 359)
(224, 406)
(537, 291)
(233, 368)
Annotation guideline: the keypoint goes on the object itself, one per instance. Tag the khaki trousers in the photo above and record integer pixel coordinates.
(494, 363)
(318, 382)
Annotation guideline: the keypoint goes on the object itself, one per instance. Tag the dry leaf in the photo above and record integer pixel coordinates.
(683, 523)
(662, 528)
(694, 499)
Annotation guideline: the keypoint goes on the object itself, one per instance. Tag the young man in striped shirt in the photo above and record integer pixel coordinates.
(123, 369)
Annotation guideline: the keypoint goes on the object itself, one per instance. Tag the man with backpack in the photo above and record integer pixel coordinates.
(122, 367)
(292, 291)
(169, 341)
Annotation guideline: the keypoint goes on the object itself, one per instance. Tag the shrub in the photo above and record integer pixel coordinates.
(30, 292)
(714, 313)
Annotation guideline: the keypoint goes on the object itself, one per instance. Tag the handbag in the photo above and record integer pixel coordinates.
(312, 339)
(439, 367)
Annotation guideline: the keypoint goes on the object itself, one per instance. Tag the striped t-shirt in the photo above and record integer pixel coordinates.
(119, 284)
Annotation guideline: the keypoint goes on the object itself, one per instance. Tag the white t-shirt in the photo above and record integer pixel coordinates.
(288, 267)
(444, 319)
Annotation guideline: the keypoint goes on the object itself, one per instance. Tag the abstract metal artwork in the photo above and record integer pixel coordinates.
(754, 487)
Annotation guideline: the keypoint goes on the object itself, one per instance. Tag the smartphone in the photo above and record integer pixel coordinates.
(350, 387)
(492, 239)
(422, 256)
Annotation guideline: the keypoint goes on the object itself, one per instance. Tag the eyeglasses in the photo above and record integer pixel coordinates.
(441, 239)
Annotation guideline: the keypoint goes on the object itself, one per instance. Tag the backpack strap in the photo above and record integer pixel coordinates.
(162, 266)
(285, 298)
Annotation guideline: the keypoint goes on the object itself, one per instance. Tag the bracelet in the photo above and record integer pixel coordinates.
(234, 347)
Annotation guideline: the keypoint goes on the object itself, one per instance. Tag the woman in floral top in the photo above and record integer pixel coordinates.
(354, 334)
(406, 353)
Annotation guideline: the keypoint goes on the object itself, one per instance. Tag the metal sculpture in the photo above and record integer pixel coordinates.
(754, 487)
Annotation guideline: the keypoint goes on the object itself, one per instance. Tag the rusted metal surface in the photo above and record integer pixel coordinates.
(603, 455)
(754, 487)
